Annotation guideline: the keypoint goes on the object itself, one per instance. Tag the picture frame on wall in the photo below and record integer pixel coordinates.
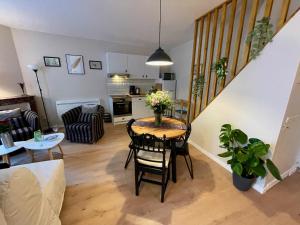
(52, 61)
(95, 65)
(75, 64)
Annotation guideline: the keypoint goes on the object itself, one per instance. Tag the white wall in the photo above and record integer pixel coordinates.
(56, 83)
(256, 100)
(10, 73)
(182, 58)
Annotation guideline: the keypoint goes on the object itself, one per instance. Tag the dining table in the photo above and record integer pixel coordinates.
(172, 128)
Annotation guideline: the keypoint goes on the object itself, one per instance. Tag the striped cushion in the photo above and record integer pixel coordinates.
(85, 118)
(17, 122)
(22, 134)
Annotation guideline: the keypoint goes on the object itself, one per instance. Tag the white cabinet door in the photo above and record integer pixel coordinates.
(136, 66)
(139, 108)
(151, 72)
(116, 62)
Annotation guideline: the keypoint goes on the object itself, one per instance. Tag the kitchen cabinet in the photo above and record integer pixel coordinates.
(131, 64)
(116, 62)
(139, 108)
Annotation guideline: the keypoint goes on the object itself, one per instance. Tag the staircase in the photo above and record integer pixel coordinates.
(222, 33)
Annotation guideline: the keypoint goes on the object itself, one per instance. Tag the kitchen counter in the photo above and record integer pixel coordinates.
(137, 96)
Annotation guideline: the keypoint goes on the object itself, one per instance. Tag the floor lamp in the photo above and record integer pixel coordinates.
(35, 69)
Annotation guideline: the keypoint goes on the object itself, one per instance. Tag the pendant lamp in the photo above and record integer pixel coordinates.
(159, 57)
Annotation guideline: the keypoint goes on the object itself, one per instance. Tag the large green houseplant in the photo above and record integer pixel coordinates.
(248, 157)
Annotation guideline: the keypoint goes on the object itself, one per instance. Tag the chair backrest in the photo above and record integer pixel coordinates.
(150, 143)
(129, 128)
(186, 137)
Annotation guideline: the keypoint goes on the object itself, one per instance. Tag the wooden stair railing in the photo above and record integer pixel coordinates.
(220, 33)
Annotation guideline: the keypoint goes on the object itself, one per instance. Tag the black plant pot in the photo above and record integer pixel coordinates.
(242, 183)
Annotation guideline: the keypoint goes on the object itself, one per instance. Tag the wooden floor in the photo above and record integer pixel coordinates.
(100, 191)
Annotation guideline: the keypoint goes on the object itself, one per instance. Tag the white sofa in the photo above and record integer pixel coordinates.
(32, 194)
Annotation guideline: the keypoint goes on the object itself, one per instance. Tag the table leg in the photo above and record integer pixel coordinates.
(31, 154)
(173, 153)
(6, 159)
(50, 154)
(60, 149)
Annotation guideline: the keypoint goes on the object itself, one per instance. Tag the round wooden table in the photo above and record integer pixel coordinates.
(171, 128)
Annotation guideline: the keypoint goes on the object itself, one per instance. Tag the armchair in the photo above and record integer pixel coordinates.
(83, 127)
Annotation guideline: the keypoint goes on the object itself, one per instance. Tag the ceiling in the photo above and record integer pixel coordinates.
(133, 22)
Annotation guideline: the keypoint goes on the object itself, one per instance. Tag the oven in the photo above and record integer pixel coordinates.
(122, 106)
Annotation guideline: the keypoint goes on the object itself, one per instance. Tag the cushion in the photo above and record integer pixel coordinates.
(17, 122)
(84, 117)
(89, 108)
(6, 114)
(18, 200)
(153, 156)
(22, 134)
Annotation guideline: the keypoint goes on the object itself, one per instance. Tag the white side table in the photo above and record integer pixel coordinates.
(5, 151)
(50, 141)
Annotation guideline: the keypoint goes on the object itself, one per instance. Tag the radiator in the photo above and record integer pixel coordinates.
(65, 105)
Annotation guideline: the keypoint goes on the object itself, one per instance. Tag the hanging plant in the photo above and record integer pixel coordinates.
(198, 85)
(260, 36)
(220, 67)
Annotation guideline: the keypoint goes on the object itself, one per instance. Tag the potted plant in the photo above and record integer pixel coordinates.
(159, 102)
(5, 135)
(198, 87)
(248, 157)
(220, 67)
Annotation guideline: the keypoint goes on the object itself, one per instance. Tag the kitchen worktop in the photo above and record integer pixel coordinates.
(127, 95)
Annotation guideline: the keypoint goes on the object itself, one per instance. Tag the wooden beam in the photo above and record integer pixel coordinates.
(251, 24)
(284, 11)
(192, 69)
(229, 35)
(268, 8)
(219, 50)
(211, 55)
(198, 61)
(238, 38)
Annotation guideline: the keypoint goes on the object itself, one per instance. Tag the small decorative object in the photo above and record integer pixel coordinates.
(95, 65)
(5, 135)
(52, 61)
(75, 64)
(198, 85)
(247, 157)
(37, 136)
(159, 102)
(260, 36)
(22, 86)
(220, 67)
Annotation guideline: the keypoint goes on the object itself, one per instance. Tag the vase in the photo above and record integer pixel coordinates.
(158, 118)
(242, 183)
(6, 140)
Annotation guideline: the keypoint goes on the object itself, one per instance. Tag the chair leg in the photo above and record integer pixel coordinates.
(190, 168)
(128, 158)
(163, 185)
(136, 181)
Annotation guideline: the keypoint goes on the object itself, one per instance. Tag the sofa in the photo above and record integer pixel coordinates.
(84, 127)
(32, 194)
(23, 123)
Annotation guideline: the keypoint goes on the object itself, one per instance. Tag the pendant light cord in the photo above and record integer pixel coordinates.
(159, 23)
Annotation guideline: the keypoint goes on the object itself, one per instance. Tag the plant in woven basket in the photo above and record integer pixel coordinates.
(4, 127)
(220, 67)
(198, 86)
(260, 36)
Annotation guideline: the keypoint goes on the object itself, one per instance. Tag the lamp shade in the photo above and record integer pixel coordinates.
(33, 67)
(159, 58)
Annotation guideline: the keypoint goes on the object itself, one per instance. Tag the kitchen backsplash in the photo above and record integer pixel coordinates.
(120, 86)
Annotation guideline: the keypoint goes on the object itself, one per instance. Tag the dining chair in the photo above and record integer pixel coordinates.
(182, 148)
(131, 134)
(151, 155)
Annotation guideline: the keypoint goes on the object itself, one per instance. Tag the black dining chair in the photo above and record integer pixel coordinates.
(131, 134)
(151, 155)
(182, 148)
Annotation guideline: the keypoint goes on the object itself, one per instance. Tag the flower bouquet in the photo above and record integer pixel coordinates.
(159, 102)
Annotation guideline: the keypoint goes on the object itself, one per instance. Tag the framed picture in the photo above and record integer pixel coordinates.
(75, 64)
(95, 65)
(52, 61)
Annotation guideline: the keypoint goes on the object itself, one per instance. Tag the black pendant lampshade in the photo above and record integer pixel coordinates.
(159, 57)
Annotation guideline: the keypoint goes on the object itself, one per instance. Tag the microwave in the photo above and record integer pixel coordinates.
(167, 76)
